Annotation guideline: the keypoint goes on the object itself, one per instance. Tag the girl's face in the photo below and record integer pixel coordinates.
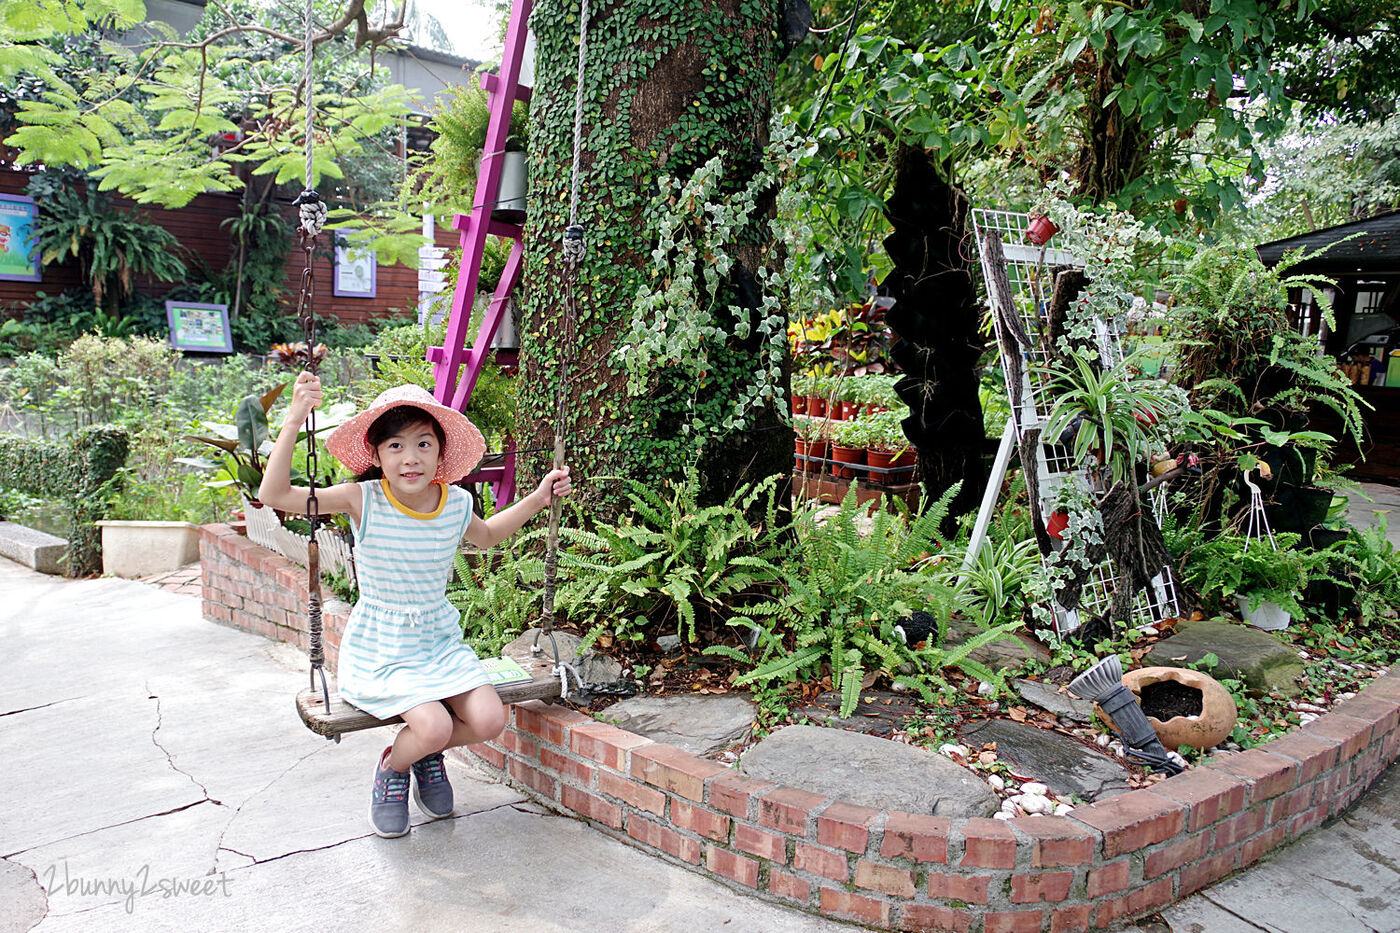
(409, 458)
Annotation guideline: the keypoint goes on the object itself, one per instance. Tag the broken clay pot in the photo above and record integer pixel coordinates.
(1206, 728)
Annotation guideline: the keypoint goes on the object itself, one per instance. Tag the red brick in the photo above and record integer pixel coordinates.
(534, 778)
(1133, 821)
(787, 809)
(605, 744)
(733, 794)
(1314, 753)
(550, 723)
(1175, 854)
(785, 885)
(1049, 886)
(1109, 878)
(762, 843)
(1353, 734)
(631, 793)
(1269, 775)
(664, 838)
(1211, 795)
(1381, 713)
(1015, 921)
(988, 844)
(566, 767)
(971, 889)
(929, 918)
(1208, 871)
(1135, 903)
(1056, 842)
(1282, 809)
(857, 907)
(1241, 826)
(489, 754)
(1262, 844)
(916, 837)
(595, 808)
(735, 867)
(1309, 820)
(1073, 919)
(896, 882)
(673, 770)
(822, 862)
(517, 744)
(1365, 768)
(845, 826)
(217, 612)
(698, 819)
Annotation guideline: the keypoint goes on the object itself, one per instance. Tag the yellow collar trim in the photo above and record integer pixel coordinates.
(442, 500)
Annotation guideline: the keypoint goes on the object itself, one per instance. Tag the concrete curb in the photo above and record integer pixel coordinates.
(1099, 865)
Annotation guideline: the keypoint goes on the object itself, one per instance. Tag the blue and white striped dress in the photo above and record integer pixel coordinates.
(403, 642)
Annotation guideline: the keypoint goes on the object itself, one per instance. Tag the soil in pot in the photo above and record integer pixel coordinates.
(1168, 699)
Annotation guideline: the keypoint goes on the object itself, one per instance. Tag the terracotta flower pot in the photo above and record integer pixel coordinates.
(1056, 525)
(852, 455)
(1155, 687)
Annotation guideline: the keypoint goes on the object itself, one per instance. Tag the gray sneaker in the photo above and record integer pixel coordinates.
(431, 789)
(388, 806)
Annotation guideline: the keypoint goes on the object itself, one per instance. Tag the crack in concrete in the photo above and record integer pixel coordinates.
(30, 709)
(89, 832)
(169, 758)
(219, 844)
(1240, 917)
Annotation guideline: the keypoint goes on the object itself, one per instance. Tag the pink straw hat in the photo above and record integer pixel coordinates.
(461, 451)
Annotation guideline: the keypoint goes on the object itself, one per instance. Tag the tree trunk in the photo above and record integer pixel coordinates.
(935, 319)
(1112, 154)
(666, 88)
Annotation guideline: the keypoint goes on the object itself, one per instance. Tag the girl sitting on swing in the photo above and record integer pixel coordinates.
(402, 652)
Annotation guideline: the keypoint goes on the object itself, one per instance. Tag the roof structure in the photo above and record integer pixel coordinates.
(1367, 247)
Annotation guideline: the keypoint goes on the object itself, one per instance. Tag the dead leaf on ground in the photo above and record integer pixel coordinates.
(1017, 713)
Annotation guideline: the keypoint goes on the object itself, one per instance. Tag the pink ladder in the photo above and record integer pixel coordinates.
(455, 368)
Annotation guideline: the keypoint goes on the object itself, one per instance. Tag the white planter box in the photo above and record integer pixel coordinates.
(139, 549)
(1270, 616)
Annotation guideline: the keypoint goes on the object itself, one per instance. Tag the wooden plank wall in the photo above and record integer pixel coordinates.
(198, 228)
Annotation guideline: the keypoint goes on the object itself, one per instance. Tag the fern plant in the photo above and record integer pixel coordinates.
(850, 583)
(672, 565)
(498, 595)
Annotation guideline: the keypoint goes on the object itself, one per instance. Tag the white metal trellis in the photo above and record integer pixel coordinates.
(1027, 269)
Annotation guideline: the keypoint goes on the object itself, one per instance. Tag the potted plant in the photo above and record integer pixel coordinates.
(800, 385)
(811, 442)
(846, 395)
(888, 452)
(816, 395)
(848, 442)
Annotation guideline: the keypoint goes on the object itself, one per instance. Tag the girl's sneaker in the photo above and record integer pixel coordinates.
(388, 805)
(431, 789)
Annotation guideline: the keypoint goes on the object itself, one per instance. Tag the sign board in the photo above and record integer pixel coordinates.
(19, 248)
(200, 328)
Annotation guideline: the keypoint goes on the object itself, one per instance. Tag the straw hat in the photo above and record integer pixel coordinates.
(460, 453)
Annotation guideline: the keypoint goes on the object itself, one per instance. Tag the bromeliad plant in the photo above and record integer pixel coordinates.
(846, 590)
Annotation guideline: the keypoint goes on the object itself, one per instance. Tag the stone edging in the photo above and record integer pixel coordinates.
(1101, 864)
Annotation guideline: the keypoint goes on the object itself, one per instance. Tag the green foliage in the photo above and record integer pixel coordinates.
(245, 444)
(1227, 566)
(445, 176)
(83, 471)
(675, 565)
(497, 592)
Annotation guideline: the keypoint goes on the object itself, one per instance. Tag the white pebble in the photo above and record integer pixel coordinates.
(1003, 815)
(1232, 746)
(950, 750)
(1034, 787)
(1009, 805)
(1302, 654)
(1148, 630)
(1180, 762)
(1033, 804)
(1116, 748)
(1305, 718)
(985, 689)
(1063, 809)
(1103, 740)
(996, 782)
(1345, 696)
(1306, 707)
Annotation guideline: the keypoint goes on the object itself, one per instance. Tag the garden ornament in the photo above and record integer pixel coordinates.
(1103, 684)
(916, 628)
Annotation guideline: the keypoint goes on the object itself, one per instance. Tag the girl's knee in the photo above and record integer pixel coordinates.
(492, 722)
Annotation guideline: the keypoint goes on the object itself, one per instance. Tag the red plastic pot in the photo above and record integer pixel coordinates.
(799, 404)
(1057, 524)
(899, 466)
(816, 406)
(1041, 230)
(812, 450)
(851, 455)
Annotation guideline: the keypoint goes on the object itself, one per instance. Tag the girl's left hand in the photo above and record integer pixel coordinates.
(555, 483)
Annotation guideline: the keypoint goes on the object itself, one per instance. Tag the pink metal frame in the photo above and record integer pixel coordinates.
(455, 368)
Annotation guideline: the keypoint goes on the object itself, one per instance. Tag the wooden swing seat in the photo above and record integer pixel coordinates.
(343, 718)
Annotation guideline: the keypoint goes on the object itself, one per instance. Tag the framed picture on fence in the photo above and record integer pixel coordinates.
(199, 328)
(19, 252)
(354, 269)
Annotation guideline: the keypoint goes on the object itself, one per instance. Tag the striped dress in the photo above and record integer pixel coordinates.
(403, 642)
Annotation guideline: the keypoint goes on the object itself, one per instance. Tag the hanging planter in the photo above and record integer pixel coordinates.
(1041, 229)
(1057, 523)
(1268, 615)
(510, 196)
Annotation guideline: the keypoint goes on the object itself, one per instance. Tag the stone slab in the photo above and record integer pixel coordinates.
(1048, 697)
(701, 725)
(1064, 765)
(869, 771)
(1003, 654)
(35, 549)
(1259, 659)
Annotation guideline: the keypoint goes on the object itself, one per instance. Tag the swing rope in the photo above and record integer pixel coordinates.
(311, 213)
(574, 249)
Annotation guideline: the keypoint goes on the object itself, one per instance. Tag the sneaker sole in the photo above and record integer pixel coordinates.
(380, 833)
(419, 800)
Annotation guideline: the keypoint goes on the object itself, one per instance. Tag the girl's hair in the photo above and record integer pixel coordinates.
(393, 422)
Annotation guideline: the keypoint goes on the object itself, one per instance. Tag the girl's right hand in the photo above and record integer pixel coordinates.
(306, 395)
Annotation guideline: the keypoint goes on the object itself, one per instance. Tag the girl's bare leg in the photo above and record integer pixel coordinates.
(429, 727)
(477, 716)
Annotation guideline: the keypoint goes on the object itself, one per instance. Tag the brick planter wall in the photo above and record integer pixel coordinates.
(1102, 864)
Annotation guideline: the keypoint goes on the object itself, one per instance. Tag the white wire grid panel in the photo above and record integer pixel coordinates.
(1028, 270)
